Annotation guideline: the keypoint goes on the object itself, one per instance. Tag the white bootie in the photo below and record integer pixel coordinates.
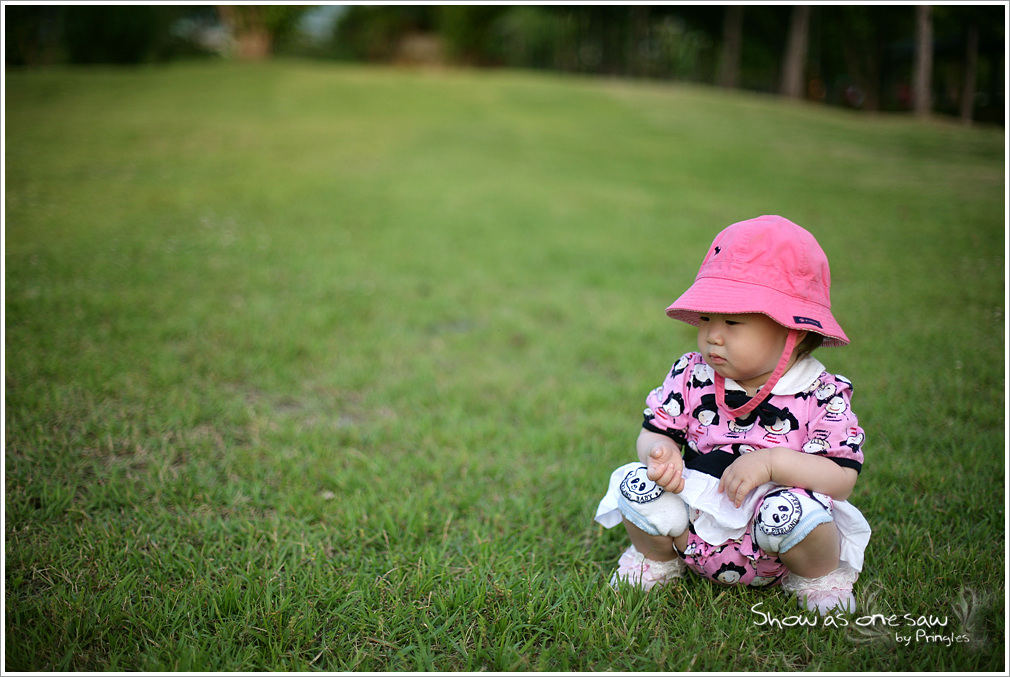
(635, 569)
(824, 594)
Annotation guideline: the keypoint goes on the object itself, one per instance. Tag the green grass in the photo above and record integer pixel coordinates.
(320, 367)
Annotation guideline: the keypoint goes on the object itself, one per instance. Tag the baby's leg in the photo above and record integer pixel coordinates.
(653, 518)
(798, 527)
(649, 562)
(800, 530)
(815, 555)
(647, 506)
(659, 548)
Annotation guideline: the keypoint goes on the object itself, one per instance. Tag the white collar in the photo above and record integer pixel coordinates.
(798, 379)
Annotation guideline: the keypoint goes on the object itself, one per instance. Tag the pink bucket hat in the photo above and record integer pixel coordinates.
(765, 265)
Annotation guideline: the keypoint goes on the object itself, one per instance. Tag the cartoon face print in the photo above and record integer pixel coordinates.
(680, 365)
(779, 513)
(823, 499)
(729, 573)
(810, 390)
(776, 422)
(855, 439)
(781, 426)
(674, 404)
(835, 407)
(739, 428)
(656, 394)
(761, 581)
(701, 376)
(741, 449)
(825, 392)
(707, 417)
(638, 488)
(706, 413)
(779, 423)
(816, 445)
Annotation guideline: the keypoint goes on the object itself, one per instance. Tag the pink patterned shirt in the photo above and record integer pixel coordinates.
(808, 411)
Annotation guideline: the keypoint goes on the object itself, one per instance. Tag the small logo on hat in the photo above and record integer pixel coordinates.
(718, 249)
(806, 320)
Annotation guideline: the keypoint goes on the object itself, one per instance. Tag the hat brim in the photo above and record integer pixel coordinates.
(726, 296)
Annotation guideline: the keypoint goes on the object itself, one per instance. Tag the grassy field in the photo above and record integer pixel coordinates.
(320, 367)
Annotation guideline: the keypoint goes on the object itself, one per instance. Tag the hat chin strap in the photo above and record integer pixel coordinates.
(740, 412)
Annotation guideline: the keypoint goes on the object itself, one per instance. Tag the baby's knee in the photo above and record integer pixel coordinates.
(787, 516)
(649, 507)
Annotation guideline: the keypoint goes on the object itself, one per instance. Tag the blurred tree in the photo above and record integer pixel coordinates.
(117, 34)
(860, 56)
(970, 73)
(729, 53)
(717, 48)
(922, 77)
(640, 48)
(256, 28)
(32, 34)
(858, 49)
(795, 60)
(468, 32)
(966, 38)
(527, 36)
(374, 32)
(764, 50)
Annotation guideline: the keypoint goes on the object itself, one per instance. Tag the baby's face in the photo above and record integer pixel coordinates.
(744, 347)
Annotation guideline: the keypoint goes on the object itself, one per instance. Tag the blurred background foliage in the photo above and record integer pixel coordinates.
(857, 56)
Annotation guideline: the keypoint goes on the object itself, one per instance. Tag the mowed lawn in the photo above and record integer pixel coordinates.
(311, 366)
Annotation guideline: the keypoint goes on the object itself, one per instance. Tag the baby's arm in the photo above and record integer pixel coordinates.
(662, 456)
(789, 468)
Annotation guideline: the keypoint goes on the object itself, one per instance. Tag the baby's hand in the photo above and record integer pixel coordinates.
(665, 468)
(744, 474)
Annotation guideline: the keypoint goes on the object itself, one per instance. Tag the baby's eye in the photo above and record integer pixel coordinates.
(732, 323)
(703, 318)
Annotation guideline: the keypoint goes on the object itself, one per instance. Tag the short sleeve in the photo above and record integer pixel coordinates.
(666, 406)
(832, 428)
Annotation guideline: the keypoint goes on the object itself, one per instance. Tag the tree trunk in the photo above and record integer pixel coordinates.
(923, 75)
(732, 42)
(970, 72)
(254, 44)
(862, 59)
(253, 39)
(638, 41)
(795, 60)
